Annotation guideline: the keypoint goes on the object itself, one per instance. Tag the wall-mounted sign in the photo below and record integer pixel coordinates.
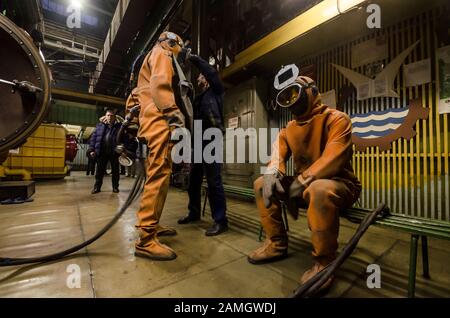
(383, 84)
(380, 129)
(443, 60)
(417, 73)
(369, 51)
(233, 122)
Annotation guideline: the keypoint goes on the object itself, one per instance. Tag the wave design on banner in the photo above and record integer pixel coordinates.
(381, 128)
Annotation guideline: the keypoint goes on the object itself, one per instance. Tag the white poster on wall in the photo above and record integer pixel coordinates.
(443, 60)
(329, 98)
(417, 73)
(364, 90)
(369, 51)
(380, 87)
(233, 122)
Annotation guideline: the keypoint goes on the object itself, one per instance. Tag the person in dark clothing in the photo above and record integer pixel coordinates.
(208, 107)
(102, 148)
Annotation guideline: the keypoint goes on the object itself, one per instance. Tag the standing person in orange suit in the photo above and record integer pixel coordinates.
(158, 116)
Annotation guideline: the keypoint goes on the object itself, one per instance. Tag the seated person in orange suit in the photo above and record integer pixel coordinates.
(319, 140)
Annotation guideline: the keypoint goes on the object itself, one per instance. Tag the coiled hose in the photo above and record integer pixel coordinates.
(134, 194)
(311, 287)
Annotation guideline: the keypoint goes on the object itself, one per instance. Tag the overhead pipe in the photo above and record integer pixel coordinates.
(65, 94)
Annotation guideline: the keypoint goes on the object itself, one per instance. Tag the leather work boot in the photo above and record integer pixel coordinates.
(269, 252)
(96, 190)
(317, 267)
(162, 230)
(188, 219)
(216, 229)
(148, 246)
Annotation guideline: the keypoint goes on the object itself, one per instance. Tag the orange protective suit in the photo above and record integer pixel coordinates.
(320, 144)
(155, 94)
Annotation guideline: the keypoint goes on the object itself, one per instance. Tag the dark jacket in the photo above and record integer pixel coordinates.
(208, 106)
(95, 143)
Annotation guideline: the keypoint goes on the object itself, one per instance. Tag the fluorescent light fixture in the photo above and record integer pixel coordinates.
(76, 3)
(344, 5)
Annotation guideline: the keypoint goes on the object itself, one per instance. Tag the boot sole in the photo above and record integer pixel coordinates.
(166, 233)
(153, 257)
(266, 261)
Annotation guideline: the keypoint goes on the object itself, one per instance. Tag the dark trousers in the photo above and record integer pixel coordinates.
(102, 162)
(216, 195)
(90, 166)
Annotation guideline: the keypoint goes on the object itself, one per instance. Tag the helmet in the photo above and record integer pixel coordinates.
(171, 41)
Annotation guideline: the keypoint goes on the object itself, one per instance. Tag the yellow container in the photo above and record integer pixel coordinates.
(43, 155)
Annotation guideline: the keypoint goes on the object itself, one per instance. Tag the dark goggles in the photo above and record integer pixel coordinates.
(289, 95)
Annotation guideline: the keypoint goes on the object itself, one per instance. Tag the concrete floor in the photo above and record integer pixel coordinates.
(65, 213)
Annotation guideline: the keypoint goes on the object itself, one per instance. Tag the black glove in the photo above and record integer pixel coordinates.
(184, 55)
(120, 149)
(175, 119)
(272, 183)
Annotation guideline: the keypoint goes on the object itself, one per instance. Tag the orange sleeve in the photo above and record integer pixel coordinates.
(337, 152)
(132, 100)
(280, 152)
(161, 80)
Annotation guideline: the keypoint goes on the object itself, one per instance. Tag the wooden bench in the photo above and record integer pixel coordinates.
(418, 228)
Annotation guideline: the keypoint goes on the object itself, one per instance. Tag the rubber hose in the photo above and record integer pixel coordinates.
(134, 193)
(312, 286)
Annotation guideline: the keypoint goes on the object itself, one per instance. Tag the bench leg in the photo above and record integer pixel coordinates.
(425, 264)
(412, 266)
(260, 234)
(285, 219)
(204, 202)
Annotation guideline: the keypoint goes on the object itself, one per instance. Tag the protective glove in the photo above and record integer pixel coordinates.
(272, 183)
(298, 187)
(184, 55)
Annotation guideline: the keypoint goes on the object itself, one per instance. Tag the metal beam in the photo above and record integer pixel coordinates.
(85, 98)
(305, 22)
(57, 45)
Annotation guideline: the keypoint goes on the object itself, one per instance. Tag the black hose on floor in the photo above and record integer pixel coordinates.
(311, 287)
(134, 194)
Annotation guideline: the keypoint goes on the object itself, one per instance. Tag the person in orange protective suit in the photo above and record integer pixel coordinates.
(319, 140)
(158, 116)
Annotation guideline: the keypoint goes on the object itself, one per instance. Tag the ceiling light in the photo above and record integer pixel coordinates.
(76, 3)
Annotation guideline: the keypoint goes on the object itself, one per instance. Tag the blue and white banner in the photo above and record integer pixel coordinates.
(378, 124)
